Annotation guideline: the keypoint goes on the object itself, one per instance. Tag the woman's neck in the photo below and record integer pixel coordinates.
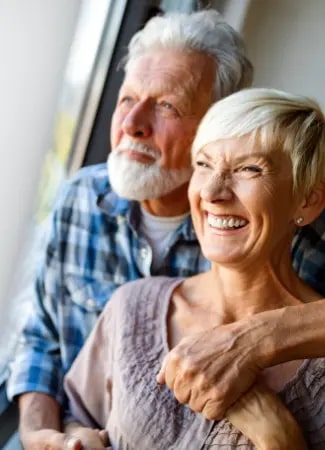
(237, 292)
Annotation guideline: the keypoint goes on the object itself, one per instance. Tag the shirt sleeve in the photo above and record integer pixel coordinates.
(37, 363)
(308, 252)
(88, 383)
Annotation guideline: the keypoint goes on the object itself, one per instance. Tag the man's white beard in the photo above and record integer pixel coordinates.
(138, 181)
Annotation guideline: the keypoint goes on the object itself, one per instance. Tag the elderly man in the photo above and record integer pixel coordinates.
(132, 220)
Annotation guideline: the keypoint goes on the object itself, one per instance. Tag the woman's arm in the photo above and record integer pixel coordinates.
(261, 417)
(222, 363)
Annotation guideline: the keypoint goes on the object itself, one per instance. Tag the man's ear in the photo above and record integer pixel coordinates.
(312, 205)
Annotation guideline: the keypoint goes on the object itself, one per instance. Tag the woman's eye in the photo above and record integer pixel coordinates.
(201, 164)
(166, 105)
(254, 169)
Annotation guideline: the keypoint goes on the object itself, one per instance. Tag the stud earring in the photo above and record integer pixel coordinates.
(299, 220)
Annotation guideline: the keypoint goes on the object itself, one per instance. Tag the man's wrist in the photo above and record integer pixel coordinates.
(262, 329)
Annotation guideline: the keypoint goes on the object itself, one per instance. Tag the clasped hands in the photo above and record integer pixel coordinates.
(216, 374)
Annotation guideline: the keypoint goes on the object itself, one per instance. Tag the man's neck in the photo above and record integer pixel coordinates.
(173, 204)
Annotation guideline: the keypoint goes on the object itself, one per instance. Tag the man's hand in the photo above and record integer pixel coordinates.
(263, 418)
(211, 370)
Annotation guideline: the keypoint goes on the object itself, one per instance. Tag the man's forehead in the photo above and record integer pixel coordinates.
(159, 82)
(170, 71)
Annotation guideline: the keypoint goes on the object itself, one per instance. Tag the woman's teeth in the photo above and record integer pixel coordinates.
(225, 223)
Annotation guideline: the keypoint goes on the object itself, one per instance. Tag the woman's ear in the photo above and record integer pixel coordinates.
(312, 205)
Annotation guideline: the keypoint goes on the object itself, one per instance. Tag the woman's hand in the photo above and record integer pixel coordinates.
(76, 438)
(93, 439)
(262, 417)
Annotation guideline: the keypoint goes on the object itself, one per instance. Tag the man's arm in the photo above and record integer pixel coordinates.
(211, 370)
(40, 423)
(40, 427)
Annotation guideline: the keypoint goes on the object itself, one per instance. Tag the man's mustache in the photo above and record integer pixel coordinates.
(137, 147)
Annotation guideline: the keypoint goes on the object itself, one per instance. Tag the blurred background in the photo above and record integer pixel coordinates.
(58, 86)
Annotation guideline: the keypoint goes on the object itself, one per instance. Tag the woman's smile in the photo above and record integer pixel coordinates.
(225, 222)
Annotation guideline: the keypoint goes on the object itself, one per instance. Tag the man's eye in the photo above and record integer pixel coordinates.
(126, 100)
(167, 108)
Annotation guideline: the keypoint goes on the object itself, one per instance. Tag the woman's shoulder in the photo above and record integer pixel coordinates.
(304, 395)
(142, 295)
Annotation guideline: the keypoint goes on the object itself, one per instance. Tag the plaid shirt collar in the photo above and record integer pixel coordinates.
(114, 206)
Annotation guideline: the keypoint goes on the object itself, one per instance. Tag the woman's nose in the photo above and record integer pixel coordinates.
(217, 189)
(137, 122)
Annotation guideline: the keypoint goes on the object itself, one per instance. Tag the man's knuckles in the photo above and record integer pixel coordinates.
(182, 395)
(214, 409)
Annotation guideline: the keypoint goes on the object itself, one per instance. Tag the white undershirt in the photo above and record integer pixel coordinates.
(158, 231)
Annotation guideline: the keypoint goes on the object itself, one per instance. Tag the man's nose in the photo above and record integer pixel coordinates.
(137, 122)
(217, 189)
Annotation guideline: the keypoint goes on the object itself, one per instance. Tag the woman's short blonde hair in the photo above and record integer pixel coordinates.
(274, 119)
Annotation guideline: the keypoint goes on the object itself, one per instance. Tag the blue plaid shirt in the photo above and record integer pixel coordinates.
(94, 247)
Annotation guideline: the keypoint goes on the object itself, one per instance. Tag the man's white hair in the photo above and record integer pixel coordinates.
(206, 32)
(273, 118)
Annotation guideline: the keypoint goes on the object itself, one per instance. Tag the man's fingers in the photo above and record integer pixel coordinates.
(160, 378)
(213, 410)
(182, 390)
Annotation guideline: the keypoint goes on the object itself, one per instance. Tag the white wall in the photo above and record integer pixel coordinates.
(286, 42)
(35, 37)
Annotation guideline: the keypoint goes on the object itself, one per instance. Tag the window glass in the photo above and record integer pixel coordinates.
(178, 5)
(96, 23)
(74, 91)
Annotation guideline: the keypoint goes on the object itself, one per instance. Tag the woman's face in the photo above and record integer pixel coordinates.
(241, 201)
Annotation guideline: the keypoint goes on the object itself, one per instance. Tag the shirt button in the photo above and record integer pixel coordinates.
(120, 220)
(90, 303)
(143, 252)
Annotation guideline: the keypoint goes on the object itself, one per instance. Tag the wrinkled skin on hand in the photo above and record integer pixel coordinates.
(209, 371)
(262, 417)
(82, 439)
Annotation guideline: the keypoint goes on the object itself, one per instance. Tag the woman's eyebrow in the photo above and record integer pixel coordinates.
(261, 155)
(239, 158)
(206, 155)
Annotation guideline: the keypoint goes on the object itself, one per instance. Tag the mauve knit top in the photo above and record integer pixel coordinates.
(112, 384)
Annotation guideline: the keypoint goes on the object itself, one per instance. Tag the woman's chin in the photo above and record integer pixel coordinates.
(225, 256)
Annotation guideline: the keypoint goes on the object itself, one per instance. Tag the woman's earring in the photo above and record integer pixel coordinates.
(299, 220)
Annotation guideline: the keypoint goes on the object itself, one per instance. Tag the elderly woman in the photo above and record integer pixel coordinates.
(259, 171)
